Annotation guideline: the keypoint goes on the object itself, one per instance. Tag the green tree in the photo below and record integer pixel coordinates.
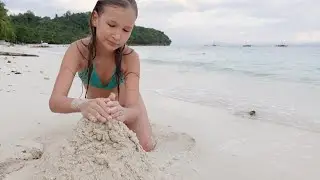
(69, 27)
(6, 30)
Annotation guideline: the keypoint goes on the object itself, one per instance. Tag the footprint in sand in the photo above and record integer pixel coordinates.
(14, 156)
(45, 77)
(10, 88)
(171, 146)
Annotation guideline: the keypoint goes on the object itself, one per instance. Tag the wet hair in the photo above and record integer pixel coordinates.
(99, 8)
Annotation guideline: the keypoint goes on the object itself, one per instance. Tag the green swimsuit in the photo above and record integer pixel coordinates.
(95, 80)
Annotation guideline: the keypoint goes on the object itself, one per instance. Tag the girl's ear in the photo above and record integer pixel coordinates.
(94, 18)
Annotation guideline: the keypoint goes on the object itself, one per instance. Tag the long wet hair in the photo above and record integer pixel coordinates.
(99, 8)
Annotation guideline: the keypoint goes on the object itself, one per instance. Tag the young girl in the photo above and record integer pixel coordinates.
(108, 68)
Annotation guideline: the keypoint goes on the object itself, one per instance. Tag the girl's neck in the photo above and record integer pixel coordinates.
(103, 57)
(102, 52)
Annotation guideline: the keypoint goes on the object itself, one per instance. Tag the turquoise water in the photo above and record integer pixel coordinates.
(282, 84)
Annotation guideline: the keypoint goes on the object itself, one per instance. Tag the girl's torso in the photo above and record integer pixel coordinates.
(103, 78)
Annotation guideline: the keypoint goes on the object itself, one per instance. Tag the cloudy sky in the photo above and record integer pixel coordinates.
(208, 21)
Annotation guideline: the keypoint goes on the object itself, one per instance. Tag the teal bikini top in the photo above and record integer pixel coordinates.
(95, 80)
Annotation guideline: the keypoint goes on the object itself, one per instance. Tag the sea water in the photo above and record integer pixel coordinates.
(281, 84)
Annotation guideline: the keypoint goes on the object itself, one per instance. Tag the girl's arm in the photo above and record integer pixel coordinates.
(59, 101)
(132, 80)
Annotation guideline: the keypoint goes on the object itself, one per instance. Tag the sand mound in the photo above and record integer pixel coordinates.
(98, 151)
(13, 157)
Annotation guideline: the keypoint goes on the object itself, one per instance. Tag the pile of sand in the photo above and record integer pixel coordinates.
(97, 151)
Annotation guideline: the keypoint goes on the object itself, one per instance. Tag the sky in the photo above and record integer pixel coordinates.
(209, 21)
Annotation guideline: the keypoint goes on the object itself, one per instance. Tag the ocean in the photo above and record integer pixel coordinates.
(281, 84)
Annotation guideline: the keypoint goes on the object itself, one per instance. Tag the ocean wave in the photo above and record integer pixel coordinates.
(179, 62)
(276, 73)
(208, 66)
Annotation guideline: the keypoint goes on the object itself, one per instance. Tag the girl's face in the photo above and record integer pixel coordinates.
(114, 26)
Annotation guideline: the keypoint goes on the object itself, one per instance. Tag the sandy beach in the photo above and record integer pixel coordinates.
(193, 141)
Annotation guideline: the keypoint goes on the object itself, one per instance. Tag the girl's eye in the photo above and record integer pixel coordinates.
(125, 30)
(111, 25)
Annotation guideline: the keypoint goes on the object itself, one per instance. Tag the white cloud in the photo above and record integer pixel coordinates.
(311, 36)
(76, 5)
(217, 18)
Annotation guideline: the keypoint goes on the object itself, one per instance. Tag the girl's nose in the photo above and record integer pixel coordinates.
(116, 36)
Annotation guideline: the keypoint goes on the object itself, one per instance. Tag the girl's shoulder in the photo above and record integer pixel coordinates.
(127, 51)
(82, 46)
(130, 59)
(82, 50)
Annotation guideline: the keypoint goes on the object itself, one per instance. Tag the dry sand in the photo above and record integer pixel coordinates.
(95, 151)
(98, 151)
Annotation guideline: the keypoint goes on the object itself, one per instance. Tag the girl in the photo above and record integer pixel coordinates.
(106, 67)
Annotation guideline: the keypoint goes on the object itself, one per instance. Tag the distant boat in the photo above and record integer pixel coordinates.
(247, 45)
(281, 45)
(211, 45)
(42, 45)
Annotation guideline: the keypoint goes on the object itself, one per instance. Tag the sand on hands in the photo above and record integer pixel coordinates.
(98, 151)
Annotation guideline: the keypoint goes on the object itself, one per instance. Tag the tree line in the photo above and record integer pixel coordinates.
(29, 28)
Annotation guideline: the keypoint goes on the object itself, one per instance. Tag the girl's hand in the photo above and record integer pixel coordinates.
(115, 110)
(92, 109)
